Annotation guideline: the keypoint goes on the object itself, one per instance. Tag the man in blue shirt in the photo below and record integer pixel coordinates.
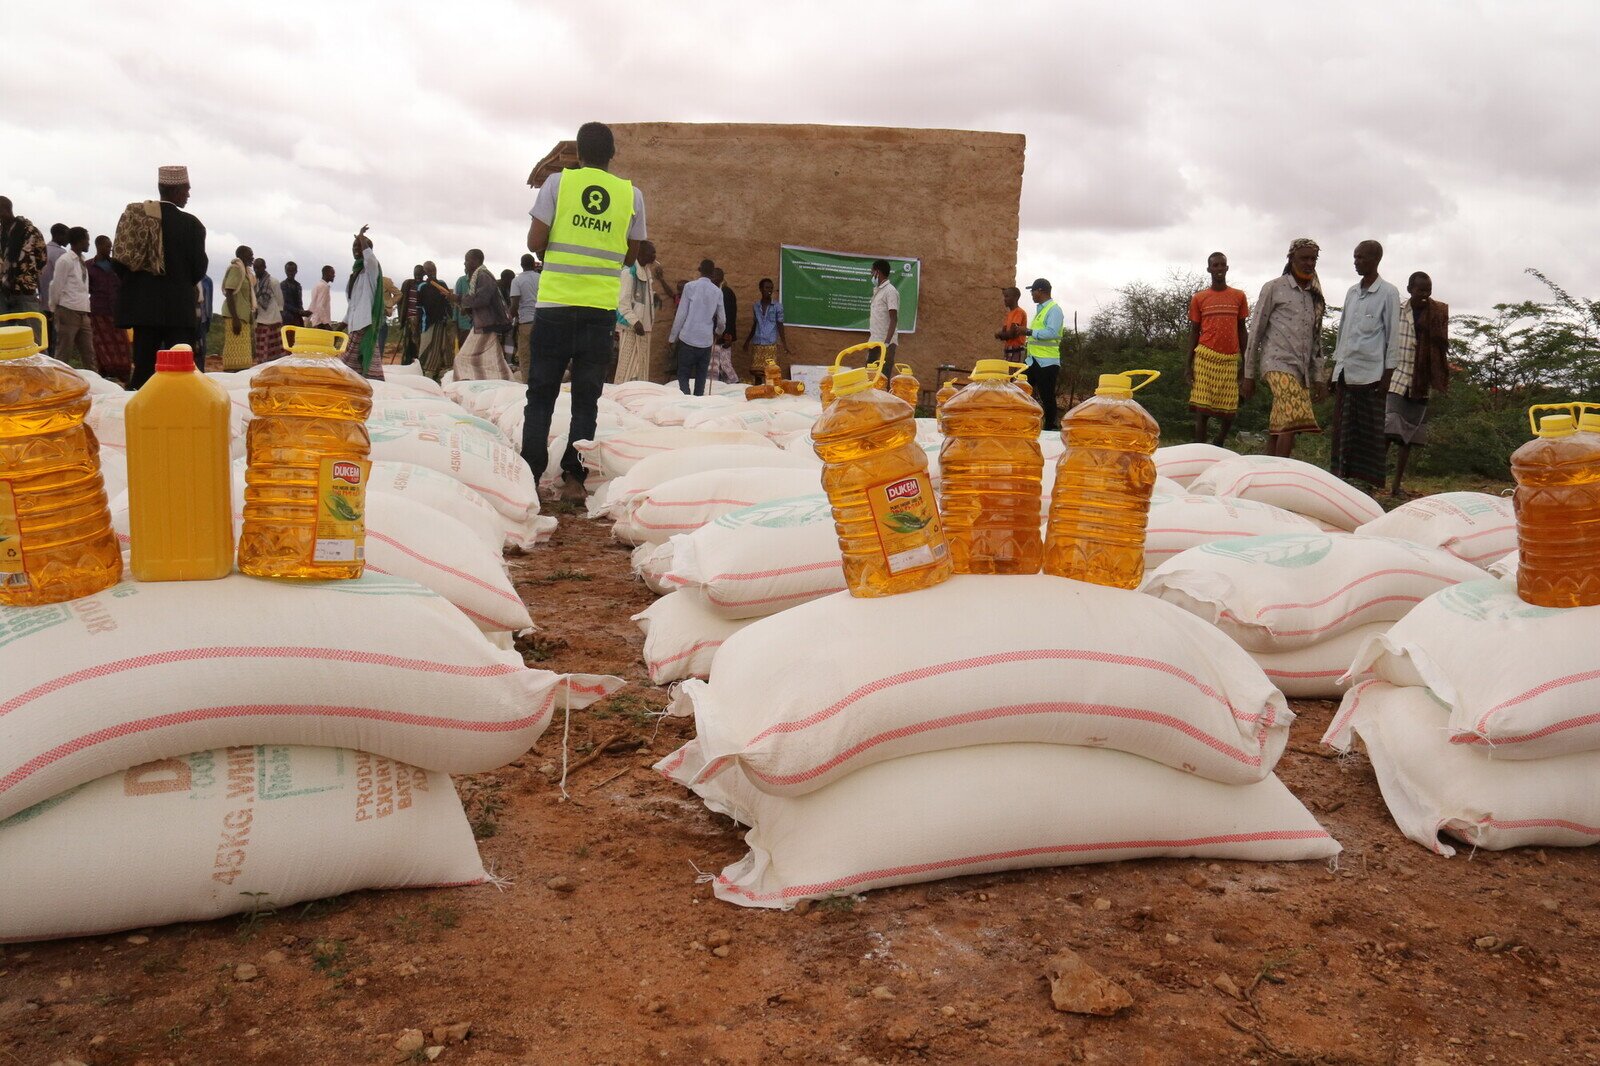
(1363, 361)
(1044, 350)
(766, 332)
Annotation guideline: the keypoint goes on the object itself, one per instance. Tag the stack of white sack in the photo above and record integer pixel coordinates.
(1178, 522)
(757, 560)
(1303, 604)
(1031, 721)
(1182, 463)
(682, 635)
(684, 504)
(1291, 484)
(611, 498)
(210, 688)
(617, 454)
(494, 470)
(1478, 713)
(1473, 526)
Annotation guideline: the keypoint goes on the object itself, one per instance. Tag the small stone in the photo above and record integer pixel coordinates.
(655, 1006)
(245, 972)
(1486, 943)
(548, 769)
(410, 1040)
(948, 1011)
(406, 969)
(65, 982)
(1079, 988)
(431, 1053)
(1172, 939)
(721, 951)
(1545, 982)
(1541, 856)
(1225, 984)
(451, 1034)
(361, 982)
(881, 992)
(273, 957)
(718, 938)
(1551, 905)
(137, 939)
(254, 1030)
(96, 1041)
(1215, 868)
(560, 884)
(1195, 879)
(1102, 904)
(803, 908)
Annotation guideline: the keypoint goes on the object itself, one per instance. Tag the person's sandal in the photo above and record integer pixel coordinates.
(572, 490)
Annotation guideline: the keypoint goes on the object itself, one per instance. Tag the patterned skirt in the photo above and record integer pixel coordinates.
(269, 341)
(1359, 449)
(238, 349)
(112, 353)
(1216, 383)
(1291, 405)
(761, 357)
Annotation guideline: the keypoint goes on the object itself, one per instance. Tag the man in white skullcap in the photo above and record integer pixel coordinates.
(160, 308)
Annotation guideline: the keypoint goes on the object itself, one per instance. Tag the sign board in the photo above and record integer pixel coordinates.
(833, 290)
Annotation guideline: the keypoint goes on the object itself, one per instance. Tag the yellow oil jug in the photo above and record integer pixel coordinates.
(905, 385)
(992, 470)
(1558, 508)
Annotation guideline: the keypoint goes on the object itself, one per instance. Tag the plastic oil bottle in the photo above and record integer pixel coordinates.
(947, 390)
(305, 486)
(1558, 510)
(825, 388)
(992, 469)
(1020, 379)
(905, 385)
(56, 540)
(876, 477)
(180, 485)
(1103, 484)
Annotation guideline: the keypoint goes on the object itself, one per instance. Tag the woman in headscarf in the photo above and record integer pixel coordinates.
(239, 312)
(1286, 345)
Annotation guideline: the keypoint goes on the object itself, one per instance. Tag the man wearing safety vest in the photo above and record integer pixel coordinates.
(587, 225)
(1044, 351)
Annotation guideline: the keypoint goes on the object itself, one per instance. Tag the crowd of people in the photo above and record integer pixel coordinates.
(586, 301)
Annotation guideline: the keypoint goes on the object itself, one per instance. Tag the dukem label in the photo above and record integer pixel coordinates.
(907, 519)
(341, 511)
(12, 573)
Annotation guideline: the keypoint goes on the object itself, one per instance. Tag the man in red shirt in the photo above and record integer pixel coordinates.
(1217, 336)
(1014, 327)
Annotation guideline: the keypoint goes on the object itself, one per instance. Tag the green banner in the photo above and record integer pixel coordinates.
(833, 290)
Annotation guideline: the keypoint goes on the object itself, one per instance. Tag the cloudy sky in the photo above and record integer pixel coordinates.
(1461, 134)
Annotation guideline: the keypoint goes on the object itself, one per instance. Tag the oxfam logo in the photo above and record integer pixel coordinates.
(596, 200)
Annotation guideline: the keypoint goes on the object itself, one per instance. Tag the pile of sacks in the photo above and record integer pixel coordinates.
(1032, 722)
(180, 751)
(1478, 713)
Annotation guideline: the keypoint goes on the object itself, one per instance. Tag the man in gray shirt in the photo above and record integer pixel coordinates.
(480, 358)
(1286, 344)
(1363, 361)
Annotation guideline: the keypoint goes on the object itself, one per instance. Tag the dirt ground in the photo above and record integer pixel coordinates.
(599, 948)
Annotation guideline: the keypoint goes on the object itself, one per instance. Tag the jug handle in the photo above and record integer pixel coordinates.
(1150, 375)
(1571, 407)
(23, 316)
(883, 354)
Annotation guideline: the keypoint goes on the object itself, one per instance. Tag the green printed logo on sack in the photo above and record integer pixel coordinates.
(1291, 550)
(1490, 601)
(19, 622)
(780, 514)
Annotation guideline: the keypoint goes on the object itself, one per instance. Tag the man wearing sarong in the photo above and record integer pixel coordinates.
(410, 317)
(636, 316)
(1285, 344)
(766, 333)
(438, 349)
(481, 357)
(112, 356)
(269, 315)
(1422, 365)
(239, 311)
(1363, 363)
(1217, 337)
(365, 314)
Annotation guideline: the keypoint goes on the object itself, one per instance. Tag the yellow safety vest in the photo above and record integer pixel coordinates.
(1043, 351)
(588, 240)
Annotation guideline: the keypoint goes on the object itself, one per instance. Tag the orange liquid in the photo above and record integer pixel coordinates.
(992, 469)
(906, 387)
(1102, 495)
(180, 485)
(866, 439)
(825, 390)
(1558, 520)
(947, 390)
(50, 463)
(307, 409)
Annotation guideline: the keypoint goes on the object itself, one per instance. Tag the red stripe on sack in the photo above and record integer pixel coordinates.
(1562, 726)
(1302, 674)
(1536, 691)
(1543, 823)
(1358, 581)
(713, 598)
(669, 660)
(520, 504)
(642, 524)
(1099, 710)
(1309, 484)
(1337, 621)
(1508, 527)
(186, 655)
(452, 571)
(1352, 700)
(269, 710)
(757, 575)
(840, 883)
(675, 760)
(493, 623)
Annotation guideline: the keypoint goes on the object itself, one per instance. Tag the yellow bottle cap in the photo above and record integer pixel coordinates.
(1557, 426)
(991, 370)
(1121, 386)
(856, 379)
(18, 341)
(902, 368)
(303, 340)
(1589, 422)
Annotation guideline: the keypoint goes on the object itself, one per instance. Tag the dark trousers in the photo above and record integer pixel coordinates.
(148, 340)
(576, 337)
(1043, 380)
(693, 363)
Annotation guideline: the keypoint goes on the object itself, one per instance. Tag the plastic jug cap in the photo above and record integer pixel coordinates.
(902, 368)
(1589, 422)
(303, 340)
(1557, 426)
(175, 360)
(991, 370)
(18, 341)
(856, 379)
(1121, 385)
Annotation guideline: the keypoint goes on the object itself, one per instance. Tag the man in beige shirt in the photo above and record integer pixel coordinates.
(636, 316)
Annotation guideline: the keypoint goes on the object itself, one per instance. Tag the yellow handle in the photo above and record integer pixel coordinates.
(341, 341)
(883, 354)
(1571, 407)
(23, 316)
(902, 368)
(1150, 375)
(1019, 370)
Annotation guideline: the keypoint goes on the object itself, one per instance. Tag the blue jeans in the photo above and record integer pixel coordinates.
(576, 337)
(693, 363)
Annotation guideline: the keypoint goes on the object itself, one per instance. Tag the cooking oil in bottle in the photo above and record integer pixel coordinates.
(1558, 509)
(180, 486)
(947, 390)
(1020, 379)
(305, 487)
(905, 385)
(1103, 483)
(56, 540)
(992, 469)
(876, 477)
